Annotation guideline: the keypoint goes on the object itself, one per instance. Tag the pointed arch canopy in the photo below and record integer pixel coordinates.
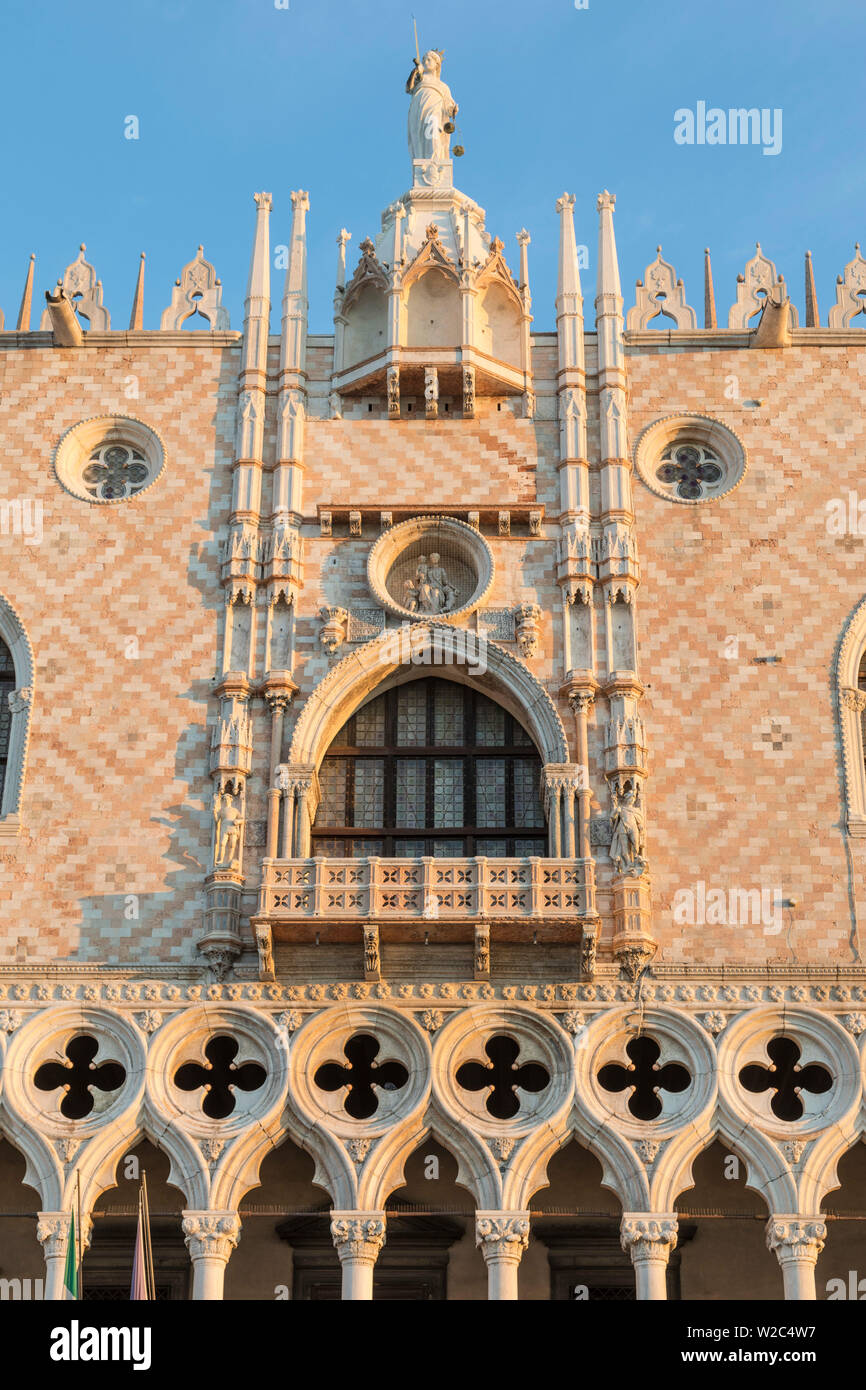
(435, 649)
(852, 706)
(13, 633)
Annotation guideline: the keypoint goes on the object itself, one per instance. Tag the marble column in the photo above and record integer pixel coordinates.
(210, 1237)
(649, 1240)
(797, 1242)
(502, 1237)
(358, 1237)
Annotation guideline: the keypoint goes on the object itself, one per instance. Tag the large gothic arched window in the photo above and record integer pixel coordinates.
(7, 685)
(430, 768)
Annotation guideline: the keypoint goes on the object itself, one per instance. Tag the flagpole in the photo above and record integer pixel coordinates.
(78, 1234)
(149, 1277)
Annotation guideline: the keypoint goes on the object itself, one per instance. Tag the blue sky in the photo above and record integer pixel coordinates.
(235, 96)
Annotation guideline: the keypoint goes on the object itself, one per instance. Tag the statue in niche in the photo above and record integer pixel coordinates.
(627, 842)
(444, 593)
(229, 821)
(429, 590)
(431, 107)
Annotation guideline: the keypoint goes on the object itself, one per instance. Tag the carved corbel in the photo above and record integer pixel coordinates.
(333, 631)
(527, 620)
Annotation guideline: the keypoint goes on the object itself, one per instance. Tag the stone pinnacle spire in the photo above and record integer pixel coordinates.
(136, 318)
(709, 292)
(812, 317)
(23, 324)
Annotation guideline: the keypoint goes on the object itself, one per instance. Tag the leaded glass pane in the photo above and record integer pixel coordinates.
(523, 848)
(332, 782)
(369, 792)
(490, 793)
(489, 723)
(447, 714)
(447, 792)
(527, 802)
(6, 666)
(411, 715)
(447, 849)
(520, 736)
(408, 849)
(370, 724)
(361, 848)
(410, 783)
(329, 849)
(494, 849)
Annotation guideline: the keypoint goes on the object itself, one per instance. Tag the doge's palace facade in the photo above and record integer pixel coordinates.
(433, 772)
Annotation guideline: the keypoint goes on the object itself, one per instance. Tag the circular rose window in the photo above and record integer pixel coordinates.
(431, 568)
(108, 459)
(690, 458)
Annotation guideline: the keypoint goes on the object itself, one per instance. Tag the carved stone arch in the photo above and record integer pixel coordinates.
(239, 1171)
(767, 1172)
(820, 1175)
(98, 1159)
(44, 1170)
(476, 1167)
(852, 708)
(14, 634)
(373, 666)
(621, 1173)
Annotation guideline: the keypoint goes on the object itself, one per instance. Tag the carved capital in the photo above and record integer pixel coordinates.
(20, 699)
(502, 1234)
(52, 1232)
(796, 1238)
(647, 1237)
(211, 1233)
(851, 699)
(358, 1235)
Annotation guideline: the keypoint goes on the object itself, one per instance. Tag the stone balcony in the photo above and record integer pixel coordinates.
(444, 899)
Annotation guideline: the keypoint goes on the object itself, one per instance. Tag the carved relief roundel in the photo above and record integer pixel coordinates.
(431, 568)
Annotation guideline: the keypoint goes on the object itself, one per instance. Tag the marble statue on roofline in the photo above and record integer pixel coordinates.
(431, 109)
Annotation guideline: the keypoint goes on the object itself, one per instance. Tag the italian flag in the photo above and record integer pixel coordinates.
(70, 1278)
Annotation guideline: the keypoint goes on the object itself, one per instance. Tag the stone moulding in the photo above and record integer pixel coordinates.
(349, 683)
(687, 428)
(465, 541)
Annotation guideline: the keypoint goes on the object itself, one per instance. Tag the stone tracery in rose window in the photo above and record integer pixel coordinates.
(115, 471)
(691, 471)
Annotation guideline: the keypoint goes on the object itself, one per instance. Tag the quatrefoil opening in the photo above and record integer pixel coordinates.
(644, 1078)
(786, 1079)
(503, 1076)
(78, 1076)
(220, 1077)
(362, 1076)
